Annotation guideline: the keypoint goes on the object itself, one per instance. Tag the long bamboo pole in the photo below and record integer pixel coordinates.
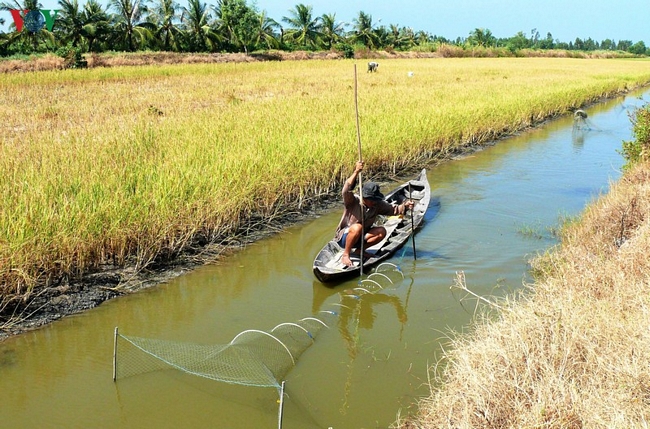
(356, 109)
(281, 407)
(115, 355)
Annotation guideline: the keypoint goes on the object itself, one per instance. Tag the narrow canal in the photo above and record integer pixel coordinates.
(490, 211)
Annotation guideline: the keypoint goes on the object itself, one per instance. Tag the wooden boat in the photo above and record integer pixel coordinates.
(328, 266)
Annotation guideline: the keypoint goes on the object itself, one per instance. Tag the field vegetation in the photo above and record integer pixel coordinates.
(135, 165)
(571, 351)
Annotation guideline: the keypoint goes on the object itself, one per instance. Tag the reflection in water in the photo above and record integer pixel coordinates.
(357, 311)
(578, 138)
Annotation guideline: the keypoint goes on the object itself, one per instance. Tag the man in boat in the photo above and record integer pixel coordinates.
(348, 232)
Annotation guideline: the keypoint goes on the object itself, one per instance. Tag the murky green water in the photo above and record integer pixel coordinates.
(490, 211)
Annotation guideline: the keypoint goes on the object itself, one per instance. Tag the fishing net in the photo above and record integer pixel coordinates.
(252, 358)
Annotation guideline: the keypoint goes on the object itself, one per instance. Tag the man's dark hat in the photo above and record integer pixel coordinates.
(371, 191)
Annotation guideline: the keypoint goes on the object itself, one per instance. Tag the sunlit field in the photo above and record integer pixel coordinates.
(135, 164)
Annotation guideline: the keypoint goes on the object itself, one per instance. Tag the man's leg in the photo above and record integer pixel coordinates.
(374, 236)
(354, 234)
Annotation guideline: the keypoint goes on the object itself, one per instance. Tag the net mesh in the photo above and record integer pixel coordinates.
(252, 358)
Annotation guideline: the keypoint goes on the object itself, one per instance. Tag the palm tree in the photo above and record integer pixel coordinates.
(332, 31)
(97, 23)
(422, 37)
(265, 33)
(404, 38)
(481, 37)
(164, 15)
(129, 29)
(201, 35)
(71, 22)
(363, 31)
(305, 31)
(394, 36)
(4, 40)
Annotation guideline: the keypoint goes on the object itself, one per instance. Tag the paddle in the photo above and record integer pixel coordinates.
(415, 257)
(356, 108)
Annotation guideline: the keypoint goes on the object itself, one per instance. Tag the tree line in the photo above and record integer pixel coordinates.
(236, 26)
(482, 37)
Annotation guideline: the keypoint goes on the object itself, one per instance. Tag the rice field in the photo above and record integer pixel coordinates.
(134, 164)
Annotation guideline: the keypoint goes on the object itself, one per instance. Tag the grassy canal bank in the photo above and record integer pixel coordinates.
(134, 166)
(572, 351)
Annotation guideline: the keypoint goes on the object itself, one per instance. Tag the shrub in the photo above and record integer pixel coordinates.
(72, 56)
(362, 52)
(638, 149)
(346, 49)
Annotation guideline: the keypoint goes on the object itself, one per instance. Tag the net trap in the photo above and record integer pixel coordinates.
(253, 357)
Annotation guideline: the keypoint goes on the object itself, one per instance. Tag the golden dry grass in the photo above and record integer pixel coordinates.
(572, 352)
(138, 163)
(44, 63)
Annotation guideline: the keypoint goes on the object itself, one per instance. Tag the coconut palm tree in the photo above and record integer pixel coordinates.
(481, 37)
(201, 34)
(363, 31)
(130, 30)
(408, 38)
(266, 32)
(394, 37)
(97, 26)
(305, 30)
(332, 31)
(4, 38)
(422, 37)
(164, 15)
(71, 22)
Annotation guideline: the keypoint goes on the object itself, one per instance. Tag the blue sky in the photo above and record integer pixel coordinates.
(564, 19)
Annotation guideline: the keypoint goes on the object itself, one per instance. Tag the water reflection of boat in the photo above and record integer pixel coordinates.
(328, 266)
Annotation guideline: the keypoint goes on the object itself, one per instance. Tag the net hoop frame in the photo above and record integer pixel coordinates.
(293, 361)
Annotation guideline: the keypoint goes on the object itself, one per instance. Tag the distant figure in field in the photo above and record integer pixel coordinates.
(372, 66)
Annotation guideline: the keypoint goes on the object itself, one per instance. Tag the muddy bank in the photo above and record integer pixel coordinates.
(74, 296)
